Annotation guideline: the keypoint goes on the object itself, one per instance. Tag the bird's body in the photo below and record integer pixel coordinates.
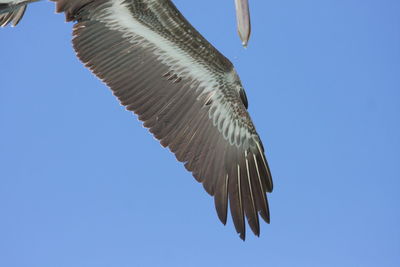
(185, 91)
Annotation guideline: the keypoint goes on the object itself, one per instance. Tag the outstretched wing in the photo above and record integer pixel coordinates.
(185, 92)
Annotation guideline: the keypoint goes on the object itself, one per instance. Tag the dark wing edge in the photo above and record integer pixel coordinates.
(177, 112)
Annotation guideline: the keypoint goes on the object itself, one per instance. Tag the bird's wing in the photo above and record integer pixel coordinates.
(184, 91)
(11, 13)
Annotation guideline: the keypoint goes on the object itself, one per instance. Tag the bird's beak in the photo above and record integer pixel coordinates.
(243, 20)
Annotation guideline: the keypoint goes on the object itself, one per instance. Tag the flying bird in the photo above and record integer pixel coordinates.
(184, 90)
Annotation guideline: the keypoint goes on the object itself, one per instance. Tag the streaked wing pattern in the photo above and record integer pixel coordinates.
(11, 15)
(185, 91)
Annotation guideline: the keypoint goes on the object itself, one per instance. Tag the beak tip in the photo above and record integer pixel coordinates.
(243, 20)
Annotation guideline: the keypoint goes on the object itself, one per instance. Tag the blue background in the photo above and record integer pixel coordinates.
(82, 183)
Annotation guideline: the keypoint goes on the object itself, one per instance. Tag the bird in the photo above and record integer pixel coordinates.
(184, 90)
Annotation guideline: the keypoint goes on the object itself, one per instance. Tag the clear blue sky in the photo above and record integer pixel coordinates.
(83, 184)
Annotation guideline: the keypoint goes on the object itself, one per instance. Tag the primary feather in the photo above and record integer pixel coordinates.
(184, 90)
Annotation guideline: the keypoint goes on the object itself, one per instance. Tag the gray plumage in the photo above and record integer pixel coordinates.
(184, 90)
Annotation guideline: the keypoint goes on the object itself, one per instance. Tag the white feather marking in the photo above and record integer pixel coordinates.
(226, 182)
(226, 191)
(11, 1)
(260, 182)
(262, 156)
(265, 165)
(118, 17)
(237, 133)
(248, 179)
(231, 132)
(258, 172)
(250, 187)
(240, 191)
